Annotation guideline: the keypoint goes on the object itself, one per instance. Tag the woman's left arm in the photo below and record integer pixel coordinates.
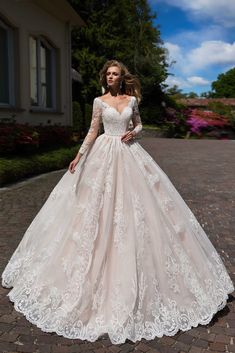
(136, 119)
(129, 135)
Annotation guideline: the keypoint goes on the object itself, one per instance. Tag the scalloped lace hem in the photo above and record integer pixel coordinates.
(120, 335)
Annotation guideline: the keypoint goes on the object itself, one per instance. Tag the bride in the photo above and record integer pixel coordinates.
(115, 249)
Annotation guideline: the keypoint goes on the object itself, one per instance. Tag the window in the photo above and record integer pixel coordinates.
(7, 96)
(42, 74)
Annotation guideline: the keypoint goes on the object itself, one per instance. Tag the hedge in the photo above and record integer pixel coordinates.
(16, 168)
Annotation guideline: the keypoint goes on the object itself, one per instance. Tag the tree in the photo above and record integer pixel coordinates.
(191, 95)
(224, 86)
(206, 94)
(175, 92)
(122, 30)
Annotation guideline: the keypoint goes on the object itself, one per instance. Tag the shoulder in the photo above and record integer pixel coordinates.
(97, 100)
(134, 100)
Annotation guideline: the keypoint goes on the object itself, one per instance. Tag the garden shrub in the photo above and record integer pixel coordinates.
(21, 139)
(16, 168)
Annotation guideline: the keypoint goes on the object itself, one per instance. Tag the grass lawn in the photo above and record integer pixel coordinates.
(15, 168)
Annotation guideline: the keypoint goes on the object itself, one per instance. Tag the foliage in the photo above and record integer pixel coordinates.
(175, 122)
(199, 121)
(175, 92)
(182, 122)
(122, 30)
(224, 86)
(222, 109)
(77, 117)
(191, 95)
(16, 138)
(206, 95)
(88, 114)
(15, 168)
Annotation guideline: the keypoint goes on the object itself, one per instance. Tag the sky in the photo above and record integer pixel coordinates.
(200, 36)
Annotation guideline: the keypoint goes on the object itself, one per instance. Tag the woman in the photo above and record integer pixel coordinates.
(115, 249)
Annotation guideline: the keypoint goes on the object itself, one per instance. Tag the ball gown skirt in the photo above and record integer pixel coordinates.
(115, 249)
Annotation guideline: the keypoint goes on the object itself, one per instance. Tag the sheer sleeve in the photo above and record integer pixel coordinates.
(94, 126)
(136, 118)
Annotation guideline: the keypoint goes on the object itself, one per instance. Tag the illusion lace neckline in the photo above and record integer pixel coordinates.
(110, 106)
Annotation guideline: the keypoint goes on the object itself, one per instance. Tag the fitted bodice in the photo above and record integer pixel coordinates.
(114, 122)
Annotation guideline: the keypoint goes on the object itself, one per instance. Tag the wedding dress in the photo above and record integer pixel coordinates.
(115, 249)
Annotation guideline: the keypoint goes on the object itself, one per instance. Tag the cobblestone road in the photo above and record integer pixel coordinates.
(203, 171)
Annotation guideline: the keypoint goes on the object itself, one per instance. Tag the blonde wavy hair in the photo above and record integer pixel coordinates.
(130, 83)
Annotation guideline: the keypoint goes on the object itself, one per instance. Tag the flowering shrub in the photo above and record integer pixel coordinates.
(196, 124)
(20, 138)
(184, 122)
(200, 121)
(175, 123)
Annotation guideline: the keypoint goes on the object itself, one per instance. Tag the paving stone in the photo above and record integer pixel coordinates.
(60, 349)
(200, 343)
(180, 346)
(7, 347)
(195, 350)
(210, 337)
(186, 338)
(203, 173)
(217, 346)
(44, 349)
(5, 327)
(222, 339)
(231, 348)
(9, 337)
(144, 347)
(29, 348)
(167, 340)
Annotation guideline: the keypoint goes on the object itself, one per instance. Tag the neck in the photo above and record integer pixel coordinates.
(115, 91)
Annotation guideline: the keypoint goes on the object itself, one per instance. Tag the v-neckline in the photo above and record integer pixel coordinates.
(110, 106)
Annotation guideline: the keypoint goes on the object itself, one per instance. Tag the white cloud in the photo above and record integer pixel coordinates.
(198, 81)
(221, 11)
(188, 83)
(177, 81)
(174, 52)
(201, 54)
(192, 38)
(211, 53)
(206, 54)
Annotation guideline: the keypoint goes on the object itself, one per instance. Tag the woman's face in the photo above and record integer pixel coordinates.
(113, 76)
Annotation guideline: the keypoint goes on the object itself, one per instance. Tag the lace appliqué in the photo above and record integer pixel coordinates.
(136, 119)
(120, 224)
(94, 126)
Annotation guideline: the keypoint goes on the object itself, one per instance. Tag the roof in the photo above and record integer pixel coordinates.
(76, 76)
(61, 9)
(203, 102)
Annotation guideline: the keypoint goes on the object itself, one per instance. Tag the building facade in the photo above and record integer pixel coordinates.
(35, 61)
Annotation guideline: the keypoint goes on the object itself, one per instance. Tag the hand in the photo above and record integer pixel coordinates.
(129, 135)
(73, 164)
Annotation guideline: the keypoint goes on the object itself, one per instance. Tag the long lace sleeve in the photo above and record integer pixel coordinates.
(94, 127)
(136, 118)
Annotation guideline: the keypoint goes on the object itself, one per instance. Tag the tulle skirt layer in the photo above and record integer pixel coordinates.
(115, 249)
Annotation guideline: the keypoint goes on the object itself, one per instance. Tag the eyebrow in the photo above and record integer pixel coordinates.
(107, 72)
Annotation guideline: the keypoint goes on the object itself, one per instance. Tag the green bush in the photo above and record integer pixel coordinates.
(222, 109)
(77, 117)
(88, 115)
(22, 139)
(14, 169)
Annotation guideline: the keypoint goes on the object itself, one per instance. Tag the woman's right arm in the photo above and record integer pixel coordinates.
(91, 135)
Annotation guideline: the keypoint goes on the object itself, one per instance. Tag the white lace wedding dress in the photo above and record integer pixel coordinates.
(115, 249)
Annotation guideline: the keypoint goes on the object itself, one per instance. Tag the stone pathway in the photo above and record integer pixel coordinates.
(203, 171)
